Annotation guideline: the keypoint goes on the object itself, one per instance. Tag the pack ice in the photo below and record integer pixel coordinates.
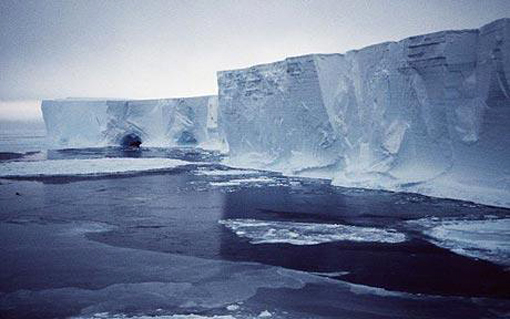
(428, 114)
(163, 122)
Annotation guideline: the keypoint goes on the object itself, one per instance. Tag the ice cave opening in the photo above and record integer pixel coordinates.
(131, 140)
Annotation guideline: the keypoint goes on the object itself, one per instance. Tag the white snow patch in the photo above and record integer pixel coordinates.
(87, 166)
(265, 314)
(295, 233)
(487, 239)
(232, 307)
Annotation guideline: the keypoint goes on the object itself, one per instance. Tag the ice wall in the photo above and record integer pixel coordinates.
(164, 122)
(428, 114)
(273, 116)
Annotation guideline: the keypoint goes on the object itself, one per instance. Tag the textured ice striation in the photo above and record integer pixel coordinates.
(164, 122)
(298, 233)
(428, 114)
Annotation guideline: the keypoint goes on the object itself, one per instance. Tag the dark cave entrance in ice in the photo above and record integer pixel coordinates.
(131, 140)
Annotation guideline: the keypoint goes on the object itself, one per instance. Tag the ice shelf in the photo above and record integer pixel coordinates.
(428, 114)
(163, 122)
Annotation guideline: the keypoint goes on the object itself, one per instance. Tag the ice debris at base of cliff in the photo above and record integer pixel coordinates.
(429, 114)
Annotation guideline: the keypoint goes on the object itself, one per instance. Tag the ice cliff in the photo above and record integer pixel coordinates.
(428, 114)
(164, 122)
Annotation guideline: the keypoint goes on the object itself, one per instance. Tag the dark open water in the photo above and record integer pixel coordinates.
(151, 244)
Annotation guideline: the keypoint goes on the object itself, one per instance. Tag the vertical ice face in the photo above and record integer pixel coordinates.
(274, 116)
(430, 114)
(73, 122)
(164, 122)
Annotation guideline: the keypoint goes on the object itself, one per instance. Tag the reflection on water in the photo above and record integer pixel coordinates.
(414, 265)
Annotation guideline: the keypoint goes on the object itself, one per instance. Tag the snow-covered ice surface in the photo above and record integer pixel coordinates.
(429, 114)
(296, 233)
(487, 239)
(100, 166)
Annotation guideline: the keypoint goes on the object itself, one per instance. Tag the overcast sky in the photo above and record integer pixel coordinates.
(145, 49)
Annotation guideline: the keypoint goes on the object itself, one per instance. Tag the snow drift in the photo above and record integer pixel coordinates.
(428, 114)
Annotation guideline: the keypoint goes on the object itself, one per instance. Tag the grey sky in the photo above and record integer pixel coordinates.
(143, 49)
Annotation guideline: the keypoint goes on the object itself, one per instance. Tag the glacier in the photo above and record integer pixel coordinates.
(429, 114)
(161, 122)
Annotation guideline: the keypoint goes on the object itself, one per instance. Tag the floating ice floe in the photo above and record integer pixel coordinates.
(232, 307)
(330, 274)
(487, 239)
(240, 181)
(102, 166)
(231, 172)
(265, 314)
(106, 315)
(266, 232)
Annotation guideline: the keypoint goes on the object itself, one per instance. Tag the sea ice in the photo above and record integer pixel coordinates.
(241, 181)
(102, 166)
(122, 316)
(295, 233)
(487, 239)
(226, 172)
